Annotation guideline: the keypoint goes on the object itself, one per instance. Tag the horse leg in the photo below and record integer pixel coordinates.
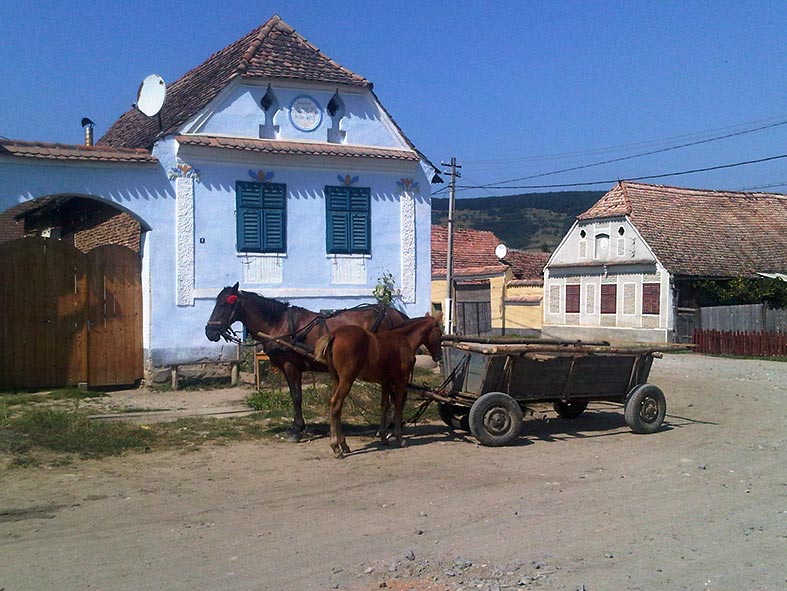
(400, 397)
(294, 376)
(338, 442)
(385, 419)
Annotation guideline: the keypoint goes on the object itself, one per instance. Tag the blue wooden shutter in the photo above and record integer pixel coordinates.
(274, 217)
(348, 220)
(261, 216)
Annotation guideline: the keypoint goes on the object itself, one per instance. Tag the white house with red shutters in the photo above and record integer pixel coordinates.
(630, 267)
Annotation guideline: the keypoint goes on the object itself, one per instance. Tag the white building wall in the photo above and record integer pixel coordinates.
(606, 252)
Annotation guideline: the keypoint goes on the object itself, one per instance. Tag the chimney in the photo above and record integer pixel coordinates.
(88, 125)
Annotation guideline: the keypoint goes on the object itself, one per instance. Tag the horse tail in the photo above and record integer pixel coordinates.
(322, 347)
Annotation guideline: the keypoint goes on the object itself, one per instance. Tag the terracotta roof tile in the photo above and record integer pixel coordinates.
(703, 233)
(296, 148)
(273, 50)
(69, 152)
(474, 252)
(527, 265)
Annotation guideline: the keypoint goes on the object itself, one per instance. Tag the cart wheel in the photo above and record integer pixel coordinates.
(645, 409)
(571, 409)
(495, 419)
(454, 416)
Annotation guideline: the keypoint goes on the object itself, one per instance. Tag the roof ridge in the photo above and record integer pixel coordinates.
(264, 31)
(696, 190)
(626, 199)
(273, 50)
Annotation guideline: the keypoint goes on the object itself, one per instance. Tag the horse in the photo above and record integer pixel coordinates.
(386, 358)
(298, 327)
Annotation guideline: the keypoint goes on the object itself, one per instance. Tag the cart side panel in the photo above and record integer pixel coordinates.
(539, 376)
(493, 379)
(473, 373)
(599, 375)
(563, 376)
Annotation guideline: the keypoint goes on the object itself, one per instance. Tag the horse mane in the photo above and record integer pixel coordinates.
(272, 309)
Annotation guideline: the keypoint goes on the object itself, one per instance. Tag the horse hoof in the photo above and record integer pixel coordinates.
(293, 437)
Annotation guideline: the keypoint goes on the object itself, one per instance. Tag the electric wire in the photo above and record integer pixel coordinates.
(640, 155)
(639, 178)
(761, 124)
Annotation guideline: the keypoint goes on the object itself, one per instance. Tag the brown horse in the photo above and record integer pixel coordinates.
(296, 326)
(386, 358)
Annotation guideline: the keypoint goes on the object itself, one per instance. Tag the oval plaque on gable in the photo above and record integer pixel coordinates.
(305, 113)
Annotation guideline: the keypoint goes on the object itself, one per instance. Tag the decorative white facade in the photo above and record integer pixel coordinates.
(603, 282)
(294, 127)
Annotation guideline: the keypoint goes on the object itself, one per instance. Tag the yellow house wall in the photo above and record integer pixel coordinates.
(517, 315)
(524, 315)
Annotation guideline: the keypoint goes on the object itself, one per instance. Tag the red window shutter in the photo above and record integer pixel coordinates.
(572, 299)
(651, 296)
(609, 298)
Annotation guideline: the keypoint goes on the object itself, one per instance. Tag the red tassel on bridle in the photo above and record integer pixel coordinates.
(232, 299)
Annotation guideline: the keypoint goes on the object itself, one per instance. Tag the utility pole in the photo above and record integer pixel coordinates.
(449, 272)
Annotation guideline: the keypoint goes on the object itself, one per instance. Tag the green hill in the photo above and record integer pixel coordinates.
(530, 221)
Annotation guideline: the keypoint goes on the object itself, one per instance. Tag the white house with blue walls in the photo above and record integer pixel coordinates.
(268, 164)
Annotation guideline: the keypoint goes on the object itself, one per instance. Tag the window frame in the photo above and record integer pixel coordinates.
(572, 300)
(651, 305)
(348, 220)
(611, 296)
(270, 211)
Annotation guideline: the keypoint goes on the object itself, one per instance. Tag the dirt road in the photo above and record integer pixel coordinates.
(586, 504)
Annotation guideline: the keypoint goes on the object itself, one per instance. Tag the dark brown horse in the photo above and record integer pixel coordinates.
(386, 358)
(293, 325)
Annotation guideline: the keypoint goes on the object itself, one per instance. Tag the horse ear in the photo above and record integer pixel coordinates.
(235, 287)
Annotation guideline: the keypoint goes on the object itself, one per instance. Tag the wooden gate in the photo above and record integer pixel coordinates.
(67, 317)
(473, 308)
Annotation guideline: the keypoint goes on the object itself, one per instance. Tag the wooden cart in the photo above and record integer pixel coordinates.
(490, 382)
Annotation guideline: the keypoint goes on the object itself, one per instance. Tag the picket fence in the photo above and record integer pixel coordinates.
(748, 343)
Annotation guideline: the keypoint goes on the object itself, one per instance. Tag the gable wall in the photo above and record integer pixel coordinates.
(237, 113)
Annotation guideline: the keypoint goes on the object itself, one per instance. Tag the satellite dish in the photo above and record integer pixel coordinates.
(501, 251)
(150, 96)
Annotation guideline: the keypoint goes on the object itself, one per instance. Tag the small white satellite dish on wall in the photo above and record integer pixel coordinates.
(151, 94)
(501, 251)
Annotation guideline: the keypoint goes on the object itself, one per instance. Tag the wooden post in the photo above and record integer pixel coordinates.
(174, 376)
(235, 373)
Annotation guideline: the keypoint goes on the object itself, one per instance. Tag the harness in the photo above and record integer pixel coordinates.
(296, 337)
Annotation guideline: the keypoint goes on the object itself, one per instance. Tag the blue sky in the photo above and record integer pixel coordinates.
(511, 89)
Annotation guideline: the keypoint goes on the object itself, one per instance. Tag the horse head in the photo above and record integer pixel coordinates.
(434, 338)
(225, 312)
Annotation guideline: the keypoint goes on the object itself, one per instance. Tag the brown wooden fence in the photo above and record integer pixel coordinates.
(750, 343)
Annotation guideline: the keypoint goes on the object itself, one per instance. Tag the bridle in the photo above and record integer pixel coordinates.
(227, 333)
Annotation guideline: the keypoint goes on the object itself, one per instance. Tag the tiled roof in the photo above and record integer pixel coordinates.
(527, 265)
(296, 148)
(703, 233)
(273, 50)
(474, 252)
(615, 203)
(47, 151)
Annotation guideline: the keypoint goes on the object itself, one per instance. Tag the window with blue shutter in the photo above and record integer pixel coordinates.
(348, 220)
(261, 216)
